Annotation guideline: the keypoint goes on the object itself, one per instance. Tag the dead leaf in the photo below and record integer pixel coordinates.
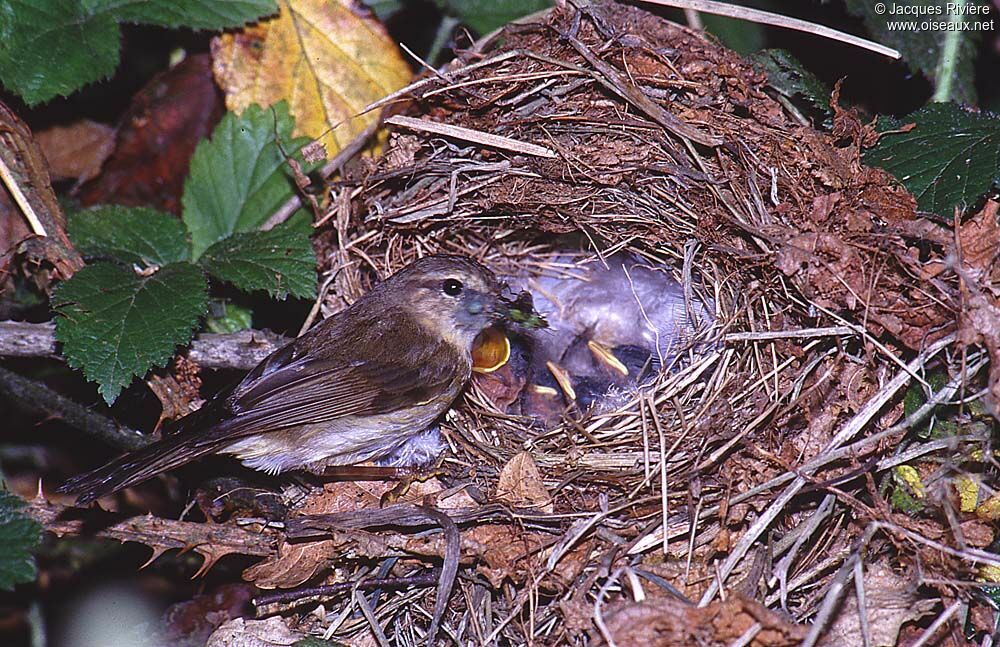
(891, 600)
(178, 390)
(979, 238)
(77, 151)
(668, 622)
(192, 621)
(272, 632)
(521, 484)
(295, 563)
(328, 59)
(157, 137)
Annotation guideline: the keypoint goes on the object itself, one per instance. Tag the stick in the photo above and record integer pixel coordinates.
(777, 20)
(241, 350)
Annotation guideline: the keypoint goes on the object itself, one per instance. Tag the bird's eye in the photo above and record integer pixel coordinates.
(452, 287)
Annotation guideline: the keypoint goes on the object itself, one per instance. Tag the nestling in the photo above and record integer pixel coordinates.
(356, 387)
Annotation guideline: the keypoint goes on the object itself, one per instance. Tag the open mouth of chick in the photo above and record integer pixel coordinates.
(613, 325)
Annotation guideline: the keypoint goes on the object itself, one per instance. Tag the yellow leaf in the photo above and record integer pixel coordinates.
(968, 492)
(911, 478)
(989, 510)
(328, 58)
(989, 573)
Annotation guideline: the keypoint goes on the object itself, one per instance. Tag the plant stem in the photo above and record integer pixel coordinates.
(944, 75)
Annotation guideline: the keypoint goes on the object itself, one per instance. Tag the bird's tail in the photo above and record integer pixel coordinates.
(135, 467)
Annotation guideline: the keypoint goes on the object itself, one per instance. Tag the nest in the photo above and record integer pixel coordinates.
(624, 133)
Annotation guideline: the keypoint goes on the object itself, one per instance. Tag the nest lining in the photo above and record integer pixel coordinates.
(778, 224)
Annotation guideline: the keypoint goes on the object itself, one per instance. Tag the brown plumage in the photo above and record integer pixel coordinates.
(357, 386)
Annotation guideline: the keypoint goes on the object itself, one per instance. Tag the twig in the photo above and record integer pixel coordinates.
(776, 20)
(937, 624)
(35, 396)
(293, 203)
(241, 350)
(848, 431)
(470, 135)
(802, 333)
(212, 541)
(612, 79)
(422, 580)
(22, 200)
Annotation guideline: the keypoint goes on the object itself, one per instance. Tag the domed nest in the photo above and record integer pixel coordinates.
(593, 147)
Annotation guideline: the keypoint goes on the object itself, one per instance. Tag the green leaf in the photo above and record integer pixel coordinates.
(240, 177)
(789, 77)
(116, 325)
(280, 261)
(484, 16)
(384, 9)
(949, 159)
(945, 56)
(36, 33)
(196, 14)
(741, 36)
(19, 535)
(227, 317)
(54, 47)
(130, 235)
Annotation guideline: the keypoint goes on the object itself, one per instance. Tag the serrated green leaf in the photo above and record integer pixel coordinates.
(944, 56)
(484, 16)
(50, 48)
(19, 536)
(129, 235)
(227, 317)
(950, 158)
(196, 14)
(35, 33)
(280, 261)
(789, 77)
(240, 177)
(116, 325)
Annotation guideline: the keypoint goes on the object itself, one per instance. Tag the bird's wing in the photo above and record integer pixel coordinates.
(286, 391)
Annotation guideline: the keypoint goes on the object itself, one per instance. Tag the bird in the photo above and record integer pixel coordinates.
(357, 386)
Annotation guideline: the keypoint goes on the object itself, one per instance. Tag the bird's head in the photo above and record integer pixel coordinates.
(454, 296)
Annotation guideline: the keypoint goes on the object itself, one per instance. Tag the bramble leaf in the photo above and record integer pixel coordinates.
(239, 177)
(129, 235)
(116, 324)
(280, 261)
(82, 37)
(950, 158)
(19, 535)
(486, 15)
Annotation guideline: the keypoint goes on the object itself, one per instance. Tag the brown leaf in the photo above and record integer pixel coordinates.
(44, 243)
(193, 621)
(272, 632)
(77, 151)
(178, 391)
(292, 565)
(668, 622)
(520, 484)
(156, 138)
(979, 238)
(295, 563)
(891, 600)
